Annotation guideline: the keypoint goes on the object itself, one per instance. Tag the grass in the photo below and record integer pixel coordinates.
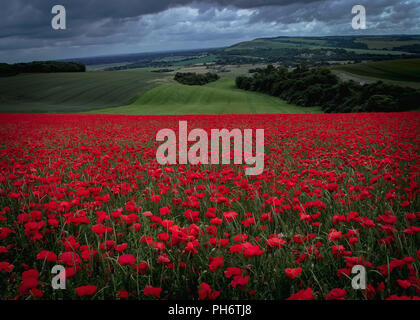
(396, 70)
(220, 97)
(73, 92)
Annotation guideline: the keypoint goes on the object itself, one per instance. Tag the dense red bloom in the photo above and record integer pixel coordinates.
(233, 271)
(29, 281)
(126, 259)
(229, 216)
(6, 266)
(89, 190)
(293, 273)
(251, 250)
(70, 258)
(334, 235)
(205, 292)
(337, 294)
(275, 242)
(47, 255)
(404, 284)
(142, 267)
(240, 281)
(86, 290)
(304, 294)
(215, 263)
(164, 211)
(123, 294)
(4, 232)
(152, 291)
(36, 293)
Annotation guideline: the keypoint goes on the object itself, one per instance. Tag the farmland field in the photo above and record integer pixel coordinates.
(72, 92)
(86, 192)
(220, 97)
(407, 70)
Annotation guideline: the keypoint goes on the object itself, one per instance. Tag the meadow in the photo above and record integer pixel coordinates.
(85, 192)
(220, 97)
(73, 92)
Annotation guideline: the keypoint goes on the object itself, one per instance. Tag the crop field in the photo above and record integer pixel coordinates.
(220, 97)
(73, 92)
(87, 193)
(388, 44)
(302, 43)
(396, 70)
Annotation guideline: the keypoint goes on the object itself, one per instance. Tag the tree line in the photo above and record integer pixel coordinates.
(310, 87)
(192, 79)
(40, 67)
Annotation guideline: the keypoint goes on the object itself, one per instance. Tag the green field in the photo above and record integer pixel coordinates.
(220, 97)
(387, 43)
(407, 70)
(73, 92)
(312, 44)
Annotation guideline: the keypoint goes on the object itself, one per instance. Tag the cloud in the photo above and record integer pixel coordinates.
(99, 27)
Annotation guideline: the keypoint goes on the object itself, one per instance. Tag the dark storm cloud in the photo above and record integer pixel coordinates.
(118, 25)
(32, 17)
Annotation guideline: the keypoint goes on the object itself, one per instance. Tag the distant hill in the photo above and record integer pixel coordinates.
(362, 44)
(316, 51)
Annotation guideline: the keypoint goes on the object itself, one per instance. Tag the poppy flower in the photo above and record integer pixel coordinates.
(70, 258)
(215, 263)
(304, 294)
(152, 291)
(293, 273)
(405, 284)
(337, 294)
(230, 216)
(6, 266)
(142, 267)
(126, 259)
(47, 256)
(88, 290)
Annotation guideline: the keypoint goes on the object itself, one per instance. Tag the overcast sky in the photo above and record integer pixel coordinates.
(106, 27)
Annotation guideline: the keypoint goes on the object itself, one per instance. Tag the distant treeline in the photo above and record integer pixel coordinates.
(320, 87)
(162, 70)
(40, 67)
(192, 79)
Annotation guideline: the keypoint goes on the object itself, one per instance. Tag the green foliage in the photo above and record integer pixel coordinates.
(320, 87)
(193, 79)
(40, 67)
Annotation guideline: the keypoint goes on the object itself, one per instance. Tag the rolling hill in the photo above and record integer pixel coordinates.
(377, 45)
(403, 72)
(220, 97)
(73, 92)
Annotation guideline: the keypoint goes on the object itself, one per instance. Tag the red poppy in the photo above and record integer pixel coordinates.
(293, 273)
(152, 291)
(86, 290)
(304, 294)
(337, 294)
(126, 259)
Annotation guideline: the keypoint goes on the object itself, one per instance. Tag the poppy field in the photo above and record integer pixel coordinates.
(85, 192)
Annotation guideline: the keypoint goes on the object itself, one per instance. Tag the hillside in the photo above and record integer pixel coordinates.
(401, 70)
(220, 97)
(381, 45)
(73, 92)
